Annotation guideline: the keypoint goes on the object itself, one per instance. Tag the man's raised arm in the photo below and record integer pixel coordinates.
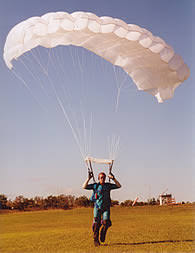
(111, 176)
(85, 184)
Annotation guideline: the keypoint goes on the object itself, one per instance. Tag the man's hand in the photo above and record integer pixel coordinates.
(111, 176)
(90, 175)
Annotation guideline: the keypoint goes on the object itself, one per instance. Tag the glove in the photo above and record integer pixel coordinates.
(90, 175)
(111, 176)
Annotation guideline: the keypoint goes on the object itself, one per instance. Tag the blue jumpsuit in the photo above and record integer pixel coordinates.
(102, 200)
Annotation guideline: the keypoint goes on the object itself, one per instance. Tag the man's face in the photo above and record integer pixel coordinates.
(102, 178)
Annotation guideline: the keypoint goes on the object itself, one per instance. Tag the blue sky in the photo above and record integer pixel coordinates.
(39, 155)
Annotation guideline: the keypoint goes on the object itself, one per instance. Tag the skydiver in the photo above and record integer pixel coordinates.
(102, 203)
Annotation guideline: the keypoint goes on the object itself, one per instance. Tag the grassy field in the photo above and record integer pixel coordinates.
(137, 229)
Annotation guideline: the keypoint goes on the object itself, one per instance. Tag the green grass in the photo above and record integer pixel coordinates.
(138, 229)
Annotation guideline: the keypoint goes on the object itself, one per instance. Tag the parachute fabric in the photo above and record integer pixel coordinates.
(148, 60)
(98, 160)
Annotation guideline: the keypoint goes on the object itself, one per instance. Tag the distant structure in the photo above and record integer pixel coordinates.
(166, 199)
(135, 201)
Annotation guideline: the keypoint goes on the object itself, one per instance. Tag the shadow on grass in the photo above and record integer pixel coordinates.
(142, 243)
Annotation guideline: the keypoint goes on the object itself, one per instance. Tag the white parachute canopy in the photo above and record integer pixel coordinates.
(148, 60)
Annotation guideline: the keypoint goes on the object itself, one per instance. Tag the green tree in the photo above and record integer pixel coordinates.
(114, 202)
(63, 201)
(3, 201)
(152, 201)
(20, 203)
(82, 201)
(127, 203)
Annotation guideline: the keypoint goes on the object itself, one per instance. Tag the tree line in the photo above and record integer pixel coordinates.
(62, 201)
(40, 203)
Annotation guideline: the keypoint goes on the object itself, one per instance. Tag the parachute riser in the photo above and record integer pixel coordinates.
(90, 169)
(110, 168)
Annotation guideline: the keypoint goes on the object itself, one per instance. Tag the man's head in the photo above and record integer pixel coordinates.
(102, 177)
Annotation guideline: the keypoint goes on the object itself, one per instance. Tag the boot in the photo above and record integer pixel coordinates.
(96, 243)
(96, 228)
(106, 225)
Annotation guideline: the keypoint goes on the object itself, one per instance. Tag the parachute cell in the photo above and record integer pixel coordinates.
(148, 60)
(98, 160)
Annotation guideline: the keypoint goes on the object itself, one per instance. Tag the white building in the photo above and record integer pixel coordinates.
(166, 199)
